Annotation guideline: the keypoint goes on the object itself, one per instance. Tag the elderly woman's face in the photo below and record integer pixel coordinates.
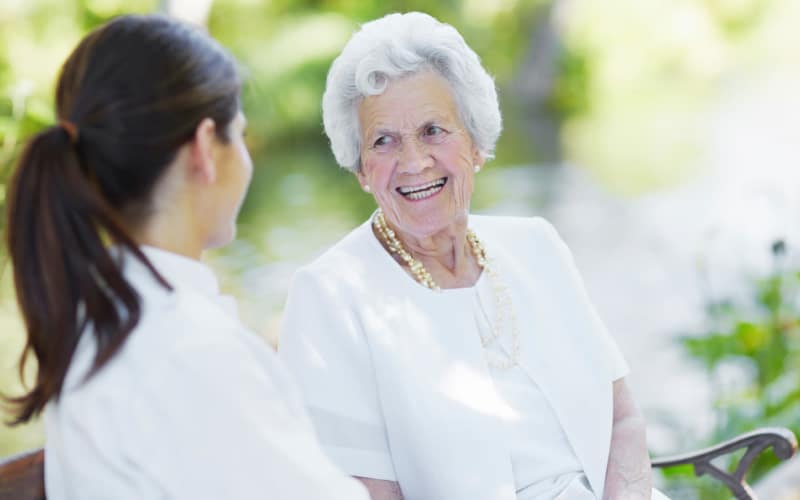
(416, 156)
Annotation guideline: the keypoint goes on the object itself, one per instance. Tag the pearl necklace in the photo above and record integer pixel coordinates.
(504, 306)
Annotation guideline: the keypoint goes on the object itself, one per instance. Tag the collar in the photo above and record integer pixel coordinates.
(180, 272)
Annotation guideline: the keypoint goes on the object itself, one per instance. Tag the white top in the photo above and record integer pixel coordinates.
(192, 407)
(398, 384)
(542, 458)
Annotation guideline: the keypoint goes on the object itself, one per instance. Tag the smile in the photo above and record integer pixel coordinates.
(422, 191)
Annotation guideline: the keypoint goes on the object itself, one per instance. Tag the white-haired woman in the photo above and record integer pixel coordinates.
(445, 355)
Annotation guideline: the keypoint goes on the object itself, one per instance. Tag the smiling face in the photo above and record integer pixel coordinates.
(416, 156)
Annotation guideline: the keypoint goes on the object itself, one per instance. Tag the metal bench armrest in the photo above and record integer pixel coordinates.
(782, 441)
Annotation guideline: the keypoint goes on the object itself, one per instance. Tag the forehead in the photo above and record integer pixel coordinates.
(409, 101)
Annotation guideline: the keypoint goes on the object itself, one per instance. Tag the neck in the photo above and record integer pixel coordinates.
(170, 233)
(446, 254)
(169, 220)
(447, 248)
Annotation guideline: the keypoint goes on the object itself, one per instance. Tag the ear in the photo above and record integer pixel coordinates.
(202, 166)
(478, 159)
(362, 179)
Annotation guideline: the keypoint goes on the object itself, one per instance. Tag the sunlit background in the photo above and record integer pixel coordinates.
(661, 137)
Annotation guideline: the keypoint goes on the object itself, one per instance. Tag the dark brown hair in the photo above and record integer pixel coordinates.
(131, 93)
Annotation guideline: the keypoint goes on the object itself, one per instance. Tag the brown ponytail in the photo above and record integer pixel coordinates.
(134, 91)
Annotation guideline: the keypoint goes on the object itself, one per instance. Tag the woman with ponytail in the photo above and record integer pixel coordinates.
(149, 384)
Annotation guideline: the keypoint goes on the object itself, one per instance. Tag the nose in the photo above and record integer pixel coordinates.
(414, 157)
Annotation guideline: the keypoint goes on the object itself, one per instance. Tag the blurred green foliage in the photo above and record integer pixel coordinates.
(751, 351)
(643, 80)
(632, 83)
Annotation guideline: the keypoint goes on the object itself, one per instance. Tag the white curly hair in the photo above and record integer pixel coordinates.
(396, 46)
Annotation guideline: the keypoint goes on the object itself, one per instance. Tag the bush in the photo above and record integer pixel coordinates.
(755, 342)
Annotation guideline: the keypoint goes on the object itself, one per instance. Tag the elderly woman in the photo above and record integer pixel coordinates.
(445, 355)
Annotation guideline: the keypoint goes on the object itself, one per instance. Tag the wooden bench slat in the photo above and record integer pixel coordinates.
(22, 476)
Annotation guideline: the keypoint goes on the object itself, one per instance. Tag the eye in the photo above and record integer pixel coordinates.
(432, 130)
(382, 141)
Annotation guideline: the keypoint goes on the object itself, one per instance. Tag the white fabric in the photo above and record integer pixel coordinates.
(192, 407)
(396, 378)
(542, 458)
(577, 489)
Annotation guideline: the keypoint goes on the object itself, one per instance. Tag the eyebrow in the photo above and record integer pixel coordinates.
(382, 130)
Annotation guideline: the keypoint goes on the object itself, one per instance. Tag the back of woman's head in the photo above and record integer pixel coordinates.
(128, 97)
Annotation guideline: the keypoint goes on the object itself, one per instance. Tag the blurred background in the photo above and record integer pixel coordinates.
(661, 137)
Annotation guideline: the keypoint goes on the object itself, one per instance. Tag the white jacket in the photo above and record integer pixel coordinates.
(396, 379)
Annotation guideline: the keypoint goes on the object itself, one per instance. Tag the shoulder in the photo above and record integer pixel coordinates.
(180, 334)
(165, 342)
(536, 231)
(530, 243)
(512, 224)
(193, 351)
(343, 266)
(185, 353)
(169, 323)
(328, 297)
(182, 318)
(354, 245)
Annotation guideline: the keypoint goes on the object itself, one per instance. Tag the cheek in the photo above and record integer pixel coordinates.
(463, 189)
(248, 169)
(459, 164)
(377, 172)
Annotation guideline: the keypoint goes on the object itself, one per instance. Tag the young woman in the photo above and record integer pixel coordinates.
(150, 386)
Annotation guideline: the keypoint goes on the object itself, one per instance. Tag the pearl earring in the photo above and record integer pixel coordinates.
(477, 168)
(366, 188)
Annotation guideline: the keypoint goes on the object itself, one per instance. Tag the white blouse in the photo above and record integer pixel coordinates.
(398, 385)
(542, 459)
(192, 407)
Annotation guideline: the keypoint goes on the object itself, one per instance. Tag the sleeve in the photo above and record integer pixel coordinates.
(603, 343)
(216, 424)
(323, 344)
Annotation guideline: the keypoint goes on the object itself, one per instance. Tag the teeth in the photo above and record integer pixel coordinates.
(419, 189)
(418, 195)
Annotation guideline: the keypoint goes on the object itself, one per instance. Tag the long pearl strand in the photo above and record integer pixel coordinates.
(504, 306)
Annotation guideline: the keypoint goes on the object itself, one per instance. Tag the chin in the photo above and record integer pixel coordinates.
(434, 223)
(220, 240)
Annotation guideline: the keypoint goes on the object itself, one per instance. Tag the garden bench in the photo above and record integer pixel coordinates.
(782, 441)
(22, 476)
